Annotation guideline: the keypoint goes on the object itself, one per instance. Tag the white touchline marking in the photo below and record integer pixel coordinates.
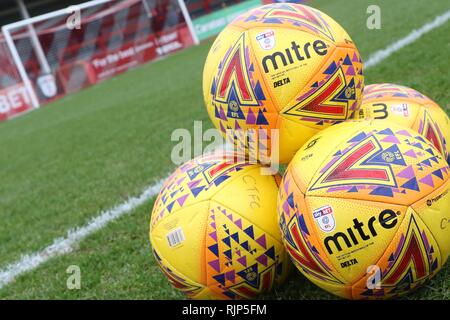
(382, 54)
(66, 244)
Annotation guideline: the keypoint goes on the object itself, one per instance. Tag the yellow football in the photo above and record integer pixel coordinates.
(285, 70)
(214, 230)
(364, 209)
(408, 108)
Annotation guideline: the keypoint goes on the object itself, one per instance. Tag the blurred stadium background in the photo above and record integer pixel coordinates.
(100, 135)
(51, 55)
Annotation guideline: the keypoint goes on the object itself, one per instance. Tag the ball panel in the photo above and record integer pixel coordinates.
(294, 16)
(382, 162)
(434, 211)
(220, 46)
(389, 91)
(254, 196)
(433, 123)
(204, 294)
(242, 259)
(292, 135)
(340, 290)
(299, 238)
(179, 281)
(347, 238)
(179, 249)
(332, 94)
(340, 37)
(314, 154)
(196, 180)
(411, 258)
(236, 96)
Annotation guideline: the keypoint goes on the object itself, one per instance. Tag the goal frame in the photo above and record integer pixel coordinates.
(7, 29)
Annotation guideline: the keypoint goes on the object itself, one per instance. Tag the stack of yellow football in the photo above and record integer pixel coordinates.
(363, 207)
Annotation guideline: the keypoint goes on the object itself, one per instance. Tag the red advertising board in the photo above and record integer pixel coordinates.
(105, 65)
(14, 100)
(113, 37)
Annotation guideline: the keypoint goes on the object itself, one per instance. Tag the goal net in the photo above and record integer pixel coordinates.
(66, 50)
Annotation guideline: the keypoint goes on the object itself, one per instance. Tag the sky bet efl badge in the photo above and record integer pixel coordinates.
(325, 218)
(400, 109)
(266, 39)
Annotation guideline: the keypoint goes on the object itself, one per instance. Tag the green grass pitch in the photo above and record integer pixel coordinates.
(68, 161)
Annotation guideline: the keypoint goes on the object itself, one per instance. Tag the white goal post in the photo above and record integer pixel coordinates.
(23, 39)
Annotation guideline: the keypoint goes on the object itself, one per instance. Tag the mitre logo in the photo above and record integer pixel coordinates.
(293, 53)
(387, 219)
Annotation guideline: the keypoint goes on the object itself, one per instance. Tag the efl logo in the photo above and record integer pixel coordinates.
(325, 218)
(401, 109)
(266, 39)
